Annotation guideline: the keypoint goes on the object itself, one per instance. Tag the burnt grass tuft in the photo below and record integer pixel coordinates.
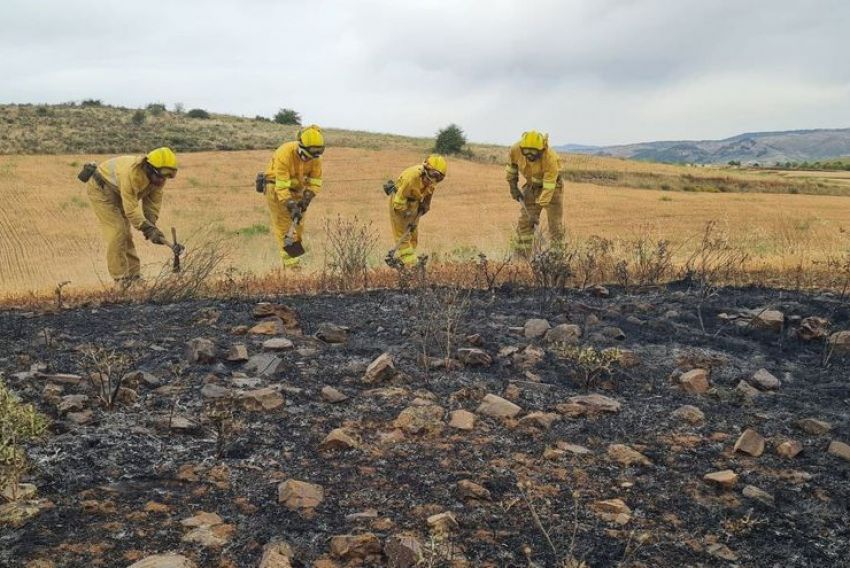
(126, 457)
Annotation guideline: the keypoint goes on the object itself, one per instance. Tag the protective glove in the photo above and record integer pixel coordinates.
(515, 192)
(294, 208)
(153, 234)
(424, 207)
(308, 196)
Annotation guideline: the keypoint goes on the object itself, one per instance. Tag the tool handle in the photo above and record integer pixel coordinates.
(174, 235)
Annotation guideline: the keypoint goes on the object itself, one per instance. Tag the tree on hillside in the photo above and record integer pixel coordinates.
(450, 140)
(198, 113)
(138, 117)
(156, 109)
(287, 116)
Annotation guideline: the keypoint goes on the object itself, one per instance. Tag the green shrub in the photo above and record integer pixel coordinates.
(42, 110)
(450, 140)
(198, 113)
(91, 103)
(19, 423)
(138, 117)
(156, 109)
(287, 116)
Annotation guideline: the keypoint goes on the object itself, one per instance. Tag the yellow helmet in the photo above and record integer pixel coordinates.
(435, 167)
(311, 143)
(163, 161)
(533, 140)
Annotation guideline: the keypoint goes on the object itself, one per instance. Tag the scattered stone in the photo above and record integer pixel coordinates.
(813, 426)
(62, 378)
(747, 389)
(420, 419)
(564, 333)
(498, 407)
(529, 357)
(690, 414)
(543, 420)
(366, 515)
(264, 364)
(300, 495)
(330, 394)
(73, 403)
(208, 529)
(332, 333)
(271, 326)
(164, 561)
(839, 449)
(719, 550)
(573, 448)
(380, 370)
(276, 554)
(339, 439)
(265, 399)
(278, 344)
(237, 353)
(595, 403)
(598, 291)
(695, 381)
(612, 332)
(765, 380)
(403, 551)
(355, 546)
(200, 350)
(535, 328)
(750, 442)
(839, 342)
(442, 523)
(468, 489)
(612, 511)
(462, 420)
(754, 492)
(627, 456)
(813, 329)
(474, 357)
(789, 448)
(770, 320)
(80, 418)
(475, 340)
(725, 479)
(212, 390)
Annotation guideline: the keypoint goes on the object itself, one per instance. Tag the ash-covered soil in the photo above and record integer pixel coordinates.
(555, 482)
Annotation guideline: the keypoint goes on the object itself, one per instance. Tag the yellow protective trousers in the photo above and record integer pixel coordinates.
(122, 261)
(407, 248)
(529, 217)
(281, 222)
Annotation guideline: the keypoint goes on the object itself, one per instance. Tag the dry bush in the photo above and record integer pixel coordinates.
(19, 423)
(551, 267)
(594, 261)
(199, 266)
(647, 261)
(592, 364)
(106, 369)
(715, 262)
(350, 244)
(440, 311)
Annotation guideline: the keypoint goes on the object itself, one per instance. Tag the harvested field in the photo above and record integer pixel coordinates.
(197, 436)
(49, 235)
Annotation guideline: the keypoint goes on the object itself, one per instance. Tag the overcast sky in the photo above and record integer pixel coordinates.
(587, 71)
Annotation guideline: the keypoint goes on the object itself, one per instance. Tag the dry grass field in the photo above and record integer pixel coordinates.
(48, 233)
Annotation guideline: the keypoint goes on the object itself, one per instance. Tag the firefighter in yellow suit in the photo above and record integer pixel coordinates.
(411, 200)
(293, 178)
(540, 166)
(126, 192)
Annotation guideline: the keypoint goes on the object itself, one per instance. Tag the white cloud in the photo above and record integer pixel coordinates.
(594, 71)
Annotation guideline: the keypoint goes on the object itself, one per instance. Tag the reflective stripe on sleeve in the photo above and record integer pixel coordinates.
(315, 182)
(282, 183)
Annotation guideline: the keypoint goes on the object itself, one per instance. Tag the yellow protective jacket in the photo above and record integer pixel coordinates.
(290, 174)
(125, 176)
(543, 173)
(411, 190)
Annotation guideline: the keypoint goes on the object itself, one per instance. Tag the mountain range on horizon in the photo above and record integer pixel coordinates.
(766, 148)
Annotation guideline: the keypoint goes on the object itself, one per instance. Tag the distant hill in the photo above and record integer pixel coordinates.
(765, 148)
(104, 129)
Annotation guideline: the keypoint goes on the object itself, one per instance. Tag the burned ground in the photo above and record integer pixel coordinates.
(115, 488)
